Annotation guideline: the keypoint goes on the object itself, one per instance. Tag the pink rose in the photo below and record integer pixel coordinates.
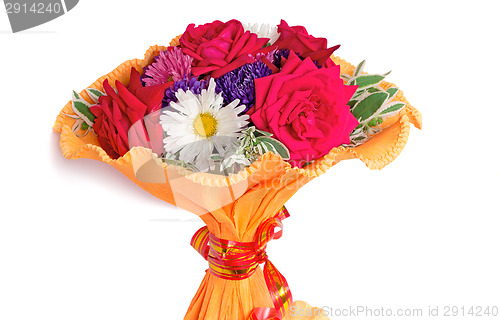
(305, 108)
(218, 47)
(299, 40)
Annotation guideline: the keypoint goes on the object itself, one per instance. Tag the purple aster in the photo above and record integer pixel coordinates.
(169, 65)
(278, 54)
(239, 83)
(185, 84)
(285, 53)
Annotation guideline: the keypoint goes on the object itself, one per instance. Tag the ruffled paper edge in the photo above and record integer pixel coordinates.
(121, 73)
(309, 312)
(376, 153)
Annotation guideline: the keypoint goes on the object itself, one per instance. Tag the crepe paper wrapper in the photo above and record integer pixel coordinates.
(309, 312)
(232, 206)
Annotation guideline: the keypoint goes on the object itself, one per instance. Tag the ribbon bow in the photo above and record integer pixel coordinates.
(234, 260)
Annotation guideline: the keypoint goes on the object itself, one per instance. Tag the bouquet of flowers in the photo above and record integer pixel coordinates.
(228, 122)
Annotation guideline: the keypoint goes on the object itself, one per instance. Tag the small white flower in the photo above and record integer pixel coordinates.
(263, 30)
(237, 158)
(198, 127)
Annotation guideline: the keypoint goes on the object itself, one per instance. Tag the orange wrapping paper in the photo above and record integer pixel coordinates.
(232, 207)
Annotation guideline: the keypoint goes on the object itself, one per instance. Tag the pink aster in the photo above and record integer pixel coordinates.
(169, 65)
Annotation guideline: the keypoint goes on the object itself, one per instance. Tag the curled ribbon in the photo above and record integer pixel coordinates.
(234, 260)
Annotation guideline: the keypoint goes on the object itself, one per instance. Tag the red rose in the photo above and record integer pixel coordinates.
(120, 116)
(218, 47)
(305, 108)
(298, 39)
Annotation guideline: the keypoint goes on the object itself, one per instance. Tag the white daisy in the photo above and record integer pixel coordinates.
(197, 127)
(263, 30)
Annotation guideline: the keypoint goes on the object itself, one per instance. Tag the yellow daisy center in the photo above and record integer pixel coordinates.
(205, 125)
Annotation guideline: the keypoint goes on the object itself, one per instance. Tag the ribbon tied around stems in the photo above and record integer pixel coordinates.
(234, 260)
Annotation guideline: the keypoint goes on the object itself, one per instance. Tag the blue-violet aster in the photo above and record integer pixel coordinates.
(192, 84)
(239, 83)
(285, 53)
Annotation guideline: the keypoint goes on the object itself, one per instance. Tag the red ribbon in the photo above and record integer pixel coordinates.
(234, 260)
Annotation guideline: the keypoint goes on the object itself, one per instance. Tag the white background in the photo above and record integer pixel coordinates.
(80, 241)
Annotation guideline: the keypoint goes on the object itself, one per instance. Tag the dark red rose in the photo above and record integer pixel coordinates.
(299, 40)
(120, 116)
(305, 108)
(219, 47)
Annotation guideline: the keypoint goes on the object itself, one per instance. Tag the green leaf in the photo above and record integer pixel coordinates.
(83, 110)
(180, 163)
(307, 163)
(359, 68)
(85, 126)
(279, 147)
(359, 138)
(226, 163)
(263, 133)
(76, 96)
(345, 77)
(77, 125)
(216, 157)
(392, 107)
(352, 103)
(260, 149)
(268, 147)
(373, 89)
(367, 107)
(357, 94)
(392, 91)
(365, 81)
(94, 94)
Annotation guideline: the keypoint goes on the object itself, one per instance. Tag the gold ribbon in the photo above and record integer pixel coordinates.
(234, 260)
